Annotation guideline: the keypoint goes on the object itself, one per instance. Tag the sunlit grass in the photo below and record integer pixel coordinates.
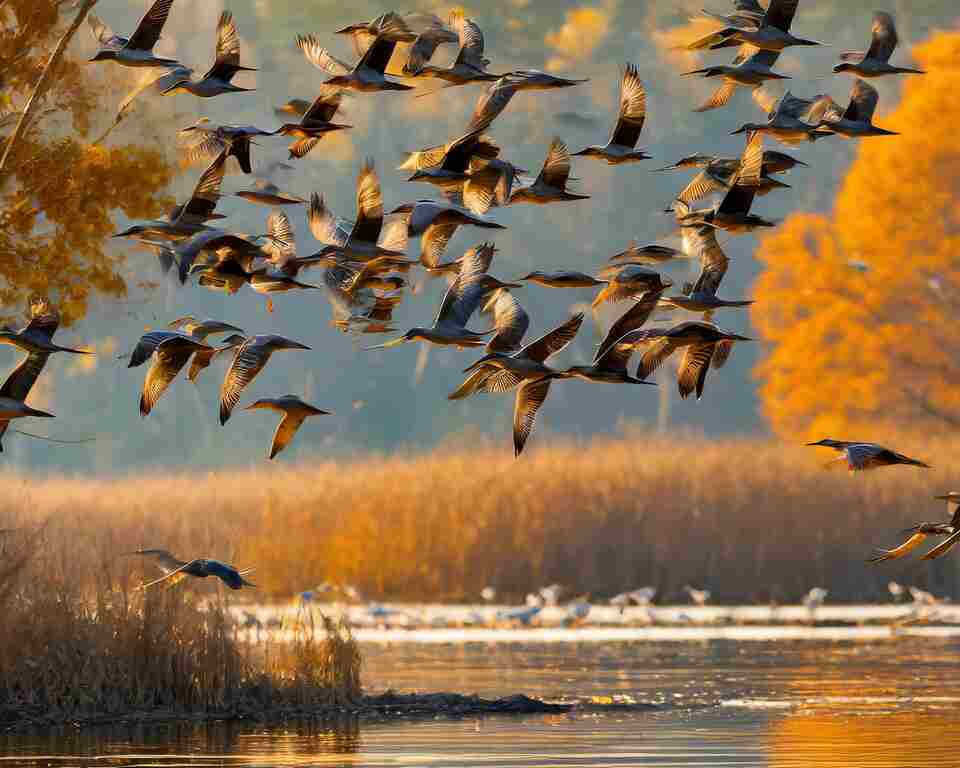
(78, 642)
(753, 520)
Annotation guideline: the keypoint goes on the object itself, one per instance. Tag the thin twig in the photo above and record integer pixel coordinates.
(44, 82)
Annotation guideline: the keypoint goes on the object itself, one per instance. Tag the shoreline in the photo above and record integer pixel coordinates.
(370, 709)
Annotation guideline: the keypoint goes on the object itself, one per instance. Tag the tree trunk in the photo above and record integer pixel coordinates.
(44, 82)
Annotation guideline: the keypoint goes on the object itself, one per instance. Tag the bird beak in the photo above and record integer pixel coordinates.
(735, 337)
(816, 443)
(295, 345)
(666, 168)
(387, 345)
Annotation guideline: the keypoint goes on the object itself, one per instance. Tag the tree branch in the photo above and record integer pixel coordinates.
(43, 83)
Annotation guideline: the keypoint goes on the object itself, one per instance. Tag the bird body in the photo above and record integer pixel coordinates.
(218, 79)
(175, 569)
(550, 186)
(564, 278)
(860, 457)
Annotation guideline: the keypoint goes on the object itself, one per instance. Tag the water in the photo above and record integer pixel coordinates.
(720, 703)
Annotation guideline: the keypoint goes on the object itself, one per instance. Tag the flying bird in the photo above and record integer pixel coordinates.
(621, 148)
(856, 122)
(920, 532)
(860, 457)
(175, 569)
(295, 411)
(226, 64)
(875, 62)
(550, 185)
(169, 358)
(137, 50)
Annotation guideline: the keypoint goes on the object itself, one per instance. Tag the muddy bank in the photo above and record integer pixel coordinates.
(379, 708)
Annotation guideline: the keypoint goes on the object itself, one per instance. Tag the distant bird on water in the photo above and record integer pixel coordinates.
(860, 457)
(137, 50)
(294, 411)
(217, 79)
(249, 359)
(621, 148)
(176, 569)
(697, 596)
(876, 61)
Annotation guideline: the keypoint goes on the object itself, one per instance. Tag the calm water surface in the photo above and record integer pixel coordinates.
(871, 705)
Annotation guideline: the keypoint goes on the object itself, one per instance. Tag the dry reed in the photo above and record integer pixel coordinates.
(753, 520)
(77, 643)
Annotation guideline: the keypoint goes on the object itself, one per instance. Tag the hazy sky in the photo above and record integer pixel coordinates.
(378, 400)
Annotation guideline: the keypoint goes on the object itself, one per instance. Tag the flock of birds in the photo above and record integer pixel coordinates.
(363, 262)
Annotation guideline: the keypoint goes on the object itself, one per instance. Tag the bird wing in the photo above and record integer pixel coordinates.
(780, 14)
(633, 109)
(286, 429)
(859, 455)
(324, 226)
(198, 141)
(44, 319)
(883, 37)
(713, 261)
(471, 41)
(168, 360)
(172, 574)
(766, 100)
(475, 382)
(556, 166)
(510, 320)
(206, 194)
(325, 106)
(721, 353)
(201, 361)
(369, 205)
(395, 234)
(633, 318)
(477, 260)
(553, 341)
(434, 242)
(301, 147)
(615, 357)
(694, 367)
(150, 26)
(227, 57)
(530, 397)
(762, 59)
(422, 51)
(942, 548)
(146, 345)
(658, 351)
(249, 360)
(149, 79)
(378, 54)
(461, 300)
(281, 241)
(743, 186)
(101, 31)
(22, 378)
(490, 104)
(863, 102)
(320, 57)
(720, 97)
(703, 184)
(897, 552)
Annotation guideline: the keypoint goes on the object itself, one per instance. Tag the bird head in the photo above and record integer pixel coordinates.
(133, 231)
(175, 86)
(404, 208)
(532, 275)
(735, 337)
(338, 80)
(953, 496)
(233, 340)
(826, 443)
(706, 72)
(420, 175)
(747, 128)
(844, 67)
(352, 29)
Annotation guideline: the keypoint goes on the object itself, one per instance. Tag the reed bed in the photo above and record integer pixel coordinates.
(78, 643)
(753, 520)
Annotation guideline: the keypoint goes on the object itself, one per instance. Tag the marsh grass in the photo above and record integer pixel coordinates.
(77, 643)
(751, 519)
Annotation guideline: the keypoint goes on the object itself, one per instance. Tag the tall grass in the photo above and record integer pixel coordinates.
(77, 643)
(752, 520)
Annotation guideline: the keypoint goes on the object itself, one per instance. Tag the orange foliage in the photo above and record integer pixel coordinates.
(59, 190)
(858, 307)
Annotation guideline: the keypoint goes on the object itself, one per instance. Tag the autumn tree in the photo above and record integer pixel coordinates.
(859, 308)
(59, 187)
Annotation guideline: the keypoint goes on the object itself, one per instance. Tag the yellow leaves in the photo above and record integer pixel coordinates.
(582, 31)
(856, 306)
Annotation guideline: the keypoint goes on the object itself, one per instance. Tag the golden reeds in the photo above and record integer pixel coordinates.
(753, 520)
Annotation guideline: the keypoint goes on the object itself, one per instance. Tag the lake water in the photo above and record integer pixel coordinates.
(874, 704)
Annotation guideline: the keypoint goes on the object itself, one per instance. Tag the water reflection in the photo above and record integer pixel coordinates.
(719, 703)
